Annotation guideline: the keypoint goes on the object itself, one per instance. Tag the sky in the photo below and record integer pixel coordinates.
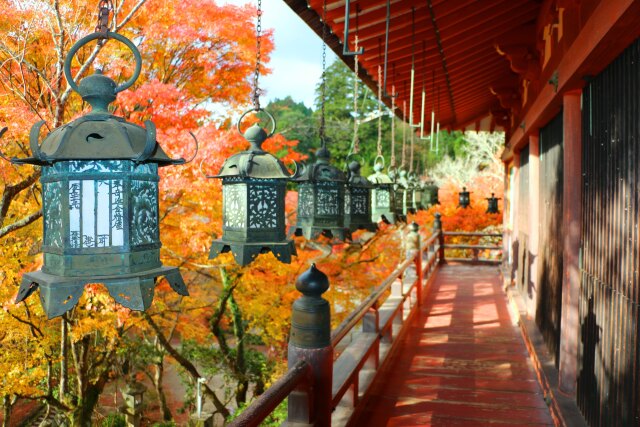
(296, 62)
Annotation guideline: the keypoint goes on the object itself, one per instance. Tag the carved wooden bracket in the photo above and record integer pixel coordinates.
(523, 60)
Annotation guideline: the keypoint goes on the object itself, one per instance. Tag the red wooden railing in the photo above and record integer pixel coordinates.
(364, 341)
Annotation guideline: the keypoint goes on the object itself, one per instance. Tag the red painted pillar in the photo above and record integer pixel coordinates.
(512, 218)
(572, 223)
(534, 214)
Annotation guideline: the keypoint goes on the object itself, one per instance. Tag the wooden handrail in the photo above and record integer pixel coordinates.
(475, 248)
(350, 321)
(471, 234)
(267, 402)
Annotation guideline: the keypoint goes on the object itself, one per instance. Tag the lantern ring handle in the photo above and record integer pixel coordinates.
(381, 157)
(108, 35)
(258, 110)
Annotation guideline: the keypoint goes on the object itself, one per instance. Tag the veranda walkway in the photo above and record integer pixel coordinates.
(461, 362)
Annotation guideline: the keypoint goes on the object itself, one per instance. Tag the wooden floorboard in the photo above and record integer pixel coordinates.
(461, 363)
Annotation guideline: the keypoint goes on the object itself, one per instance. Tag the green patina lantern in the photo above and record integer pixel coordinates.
(402, 194)
(430, 194)
(416, 193)
(492, 204)
(321, 195)
(253, 193)
(357, 201)
(100, 201)
(464, 198)
(382, 195)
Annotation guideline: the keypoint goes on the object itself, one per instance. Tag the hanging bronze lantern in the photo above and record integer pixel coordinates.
(253, 193)
(464, 198)
(430, 195)
(100, 201)
(416, 193)
(321, 194)
(492, 204)
(357, 201)
(382, 195)
(403, 195)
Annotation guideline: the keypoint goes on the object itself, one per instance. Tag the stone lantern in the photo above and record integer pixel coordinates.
(100, 201)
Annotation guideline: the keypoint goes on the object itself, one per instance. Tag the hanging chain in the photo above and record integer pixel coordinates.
(324, 73)
(356, 140)
(256, 88)
(392, 162)
(104, 9)
(404, 131)
(379, 110)
(411, 155)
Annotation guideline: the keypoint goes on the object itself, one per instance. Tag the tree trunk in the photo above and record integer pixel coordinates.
(6, 402)
(241, 366)
(63, 359)
(157, 382)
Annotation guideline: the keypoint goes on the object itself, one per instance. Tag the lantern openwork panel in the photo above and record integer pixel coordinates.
(416, 195)
(321, 208)
(464, 198)
(382, 196)
(253, 209)
(403, 197)
(321, 200)
(100, 217)
(357, 201)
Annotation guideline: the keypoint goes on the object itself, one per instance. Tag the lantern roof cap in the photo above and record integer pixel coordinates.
(98, 135)
(254, 162)
(354, 175)
(379, 177)
(322, 169)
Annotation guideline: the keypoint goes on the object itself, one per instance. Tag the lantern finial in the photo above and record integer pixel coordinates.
(256, 136)
(98, 90)
(323, 155)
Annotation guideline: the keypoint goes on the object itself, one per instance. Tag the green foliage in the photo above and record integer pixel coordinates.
(297, 122)
(165, 424)
(275, 418)
(340, 114)
(114, 420)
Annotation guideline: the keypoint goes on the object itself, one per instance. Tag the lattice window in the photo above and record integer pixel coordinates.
(263, 206)
(235, 205)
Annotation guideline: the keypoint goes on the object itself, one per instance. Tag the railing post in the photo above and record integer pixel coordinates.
(437, 228)
(413, 250)
(311, 341)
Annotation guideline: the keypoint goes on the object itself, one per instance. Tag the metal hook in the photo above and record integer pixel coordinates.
(202, 172)
(386, 51)
(186, 162)
(297, 172)
(2, 132)
(345, 46)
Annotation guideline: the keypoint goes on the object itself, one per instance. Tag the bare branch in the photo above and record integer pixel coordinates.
(186, 364)
(21, 223)
(130, 15)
